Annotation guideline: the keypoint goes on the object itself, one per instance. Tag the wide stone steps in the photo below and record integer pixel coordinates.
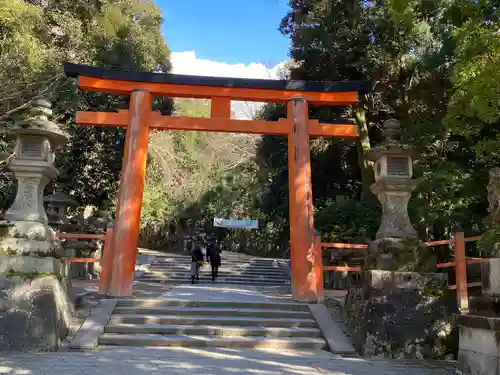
(236, 261)
(224, 267)
(211, 341)
(236, 269)
(208, 280)
(221, 274)
(212, 323)
(277, 274)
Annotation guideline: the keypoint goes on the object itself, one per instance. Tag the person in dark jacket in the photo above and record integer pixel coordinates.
(196, 262)
(213, 256)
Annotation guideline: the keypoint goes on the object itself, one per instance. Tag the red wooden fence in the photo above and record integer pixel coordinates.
(106, 261)
(458, 241)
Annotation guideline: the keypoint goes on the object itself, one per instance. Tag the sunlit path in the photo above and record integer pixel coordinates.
(153, 361)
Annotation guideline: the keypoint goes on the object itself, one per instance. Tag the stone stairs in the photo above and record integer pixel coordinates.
(236, 269)
(232, 324)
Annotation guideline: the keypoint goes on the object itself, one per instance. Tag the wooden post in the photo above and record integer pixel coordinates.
(106, 262)
(128, 208)
(300, 201)
(461, 271)
(220, 108)
(318, 268)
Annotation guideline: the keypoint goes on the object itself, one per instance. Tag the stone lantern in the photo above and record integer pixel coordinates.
(58, 204)
(393, 168)
(32, 276)
(33, 165)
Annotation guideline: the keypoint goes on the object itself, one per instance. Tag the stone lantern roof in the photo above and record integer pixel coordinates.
(392, 145)
(59, 198)
(38, 123)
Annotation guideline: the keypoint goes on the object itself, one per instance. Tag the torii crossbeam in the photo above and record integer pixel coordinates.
(140, 118)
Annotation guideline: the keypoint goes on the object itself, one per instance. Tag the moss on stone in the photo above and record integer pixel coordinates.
(4, 231)
(8, 251)
(407, 254)
(436, 291)
(29, 275)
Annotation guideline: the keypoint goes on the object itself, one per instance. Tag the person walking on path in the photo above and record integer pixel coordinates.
(213, 256)
(196, 262)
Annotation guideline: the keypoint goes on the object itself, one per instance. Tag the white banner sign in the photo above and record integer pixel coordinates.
(236, 224)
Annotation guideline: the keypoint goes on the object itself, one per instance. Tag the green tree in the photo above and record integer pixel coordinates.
(38, 37)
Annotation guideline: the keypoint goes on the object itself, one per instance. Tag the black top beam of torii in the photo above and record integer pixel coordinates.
(76, 70)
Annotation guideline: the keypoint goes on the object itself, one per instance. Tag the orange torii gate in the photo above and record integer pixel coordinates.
(139, 118)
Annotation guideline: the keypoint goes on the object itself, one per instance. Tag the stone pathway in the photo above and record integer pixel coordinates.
(215, 292)
(154, 361)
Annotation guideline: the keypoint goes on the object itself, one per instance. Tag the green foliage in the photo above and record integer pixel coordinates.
(489, 244)
(35, 42)
(193, 177)
(349, 220)
(434, 64)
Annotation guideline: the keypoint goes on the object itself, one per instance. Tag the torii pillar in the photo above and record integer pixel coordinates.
(305, 264)
(128, 208)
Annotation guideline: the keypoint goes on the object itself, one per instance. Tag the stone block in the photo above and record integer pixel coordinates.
(490, 276)
(388, 280)
(402, 314)
(28, 238)
(473, 363)
(34, 314)
(479, 340)
(47, 265)
(485, 306)
(400, 254)
(87, 336)
(337, 341)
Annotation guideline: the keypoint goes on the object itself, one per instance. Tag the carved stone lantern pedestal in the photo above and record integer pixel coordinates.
(33, 279)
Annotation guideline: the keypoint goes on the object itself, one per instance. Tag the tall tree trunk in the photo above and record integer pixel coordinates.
(363, 146)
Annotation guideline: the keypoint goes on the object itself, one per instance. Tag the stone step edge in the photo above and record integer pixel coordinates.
(153, 272)
(210, 282)
(224, 320)
(187, 310)
(221, 273)
(208, 273)
(226, 331)
(223, 268)
(148, 274)
(212, 340)
(187, 275)
(227, 253)
(211, 303)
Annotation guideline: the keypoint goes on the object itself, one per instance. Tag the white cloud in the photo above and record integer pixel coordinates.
(187, 63)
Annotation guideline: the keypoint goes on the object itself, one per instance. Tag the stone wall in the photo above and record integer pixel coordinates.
(34, 313)
(402, 315)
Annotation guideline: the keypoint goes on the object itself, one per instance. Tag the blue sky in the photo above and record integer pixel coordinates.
(229, 31)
